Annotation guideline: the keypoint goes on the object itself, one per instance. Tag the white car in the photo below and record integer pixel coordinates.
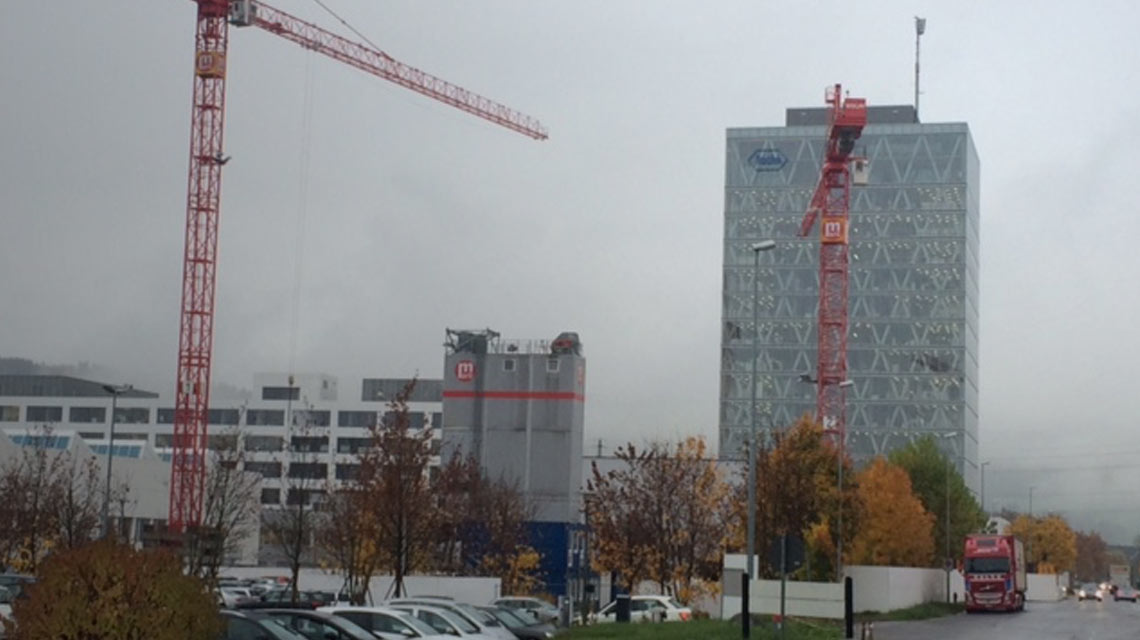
(5, 608)
(384, 622)
(444, 621)
(648, 609)
(231, 597)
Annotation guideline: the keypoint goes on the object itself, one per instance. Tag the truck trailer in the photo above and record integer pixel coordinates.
(994, 573)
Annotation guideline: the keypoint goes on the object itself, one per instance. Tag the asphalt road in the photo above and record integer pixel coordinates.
(1065, 620)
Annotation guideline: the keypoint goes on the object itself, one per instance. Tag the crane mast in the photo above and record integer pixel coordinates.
(203, 204)
(831, 203)
(196, 332)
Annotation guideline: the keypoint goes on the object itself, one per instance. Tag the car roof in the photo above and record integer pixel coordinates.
(252, 614)
(366, 608)
(323, 615)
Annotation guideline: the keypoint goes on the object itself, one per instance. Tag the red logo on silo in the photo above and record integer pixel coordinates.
(465, 370)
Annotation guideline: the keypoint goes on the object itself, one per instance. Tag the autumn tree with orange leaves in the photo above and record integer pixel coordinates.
(797, 491)
(896, 530)
(1050, 544)
(661, 517)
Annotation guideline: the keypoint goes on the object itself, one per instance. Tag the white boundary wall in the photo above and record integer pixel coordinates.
(808, 599)
(1045, 587)
(890, 588)
(465, 589)
(874, 589)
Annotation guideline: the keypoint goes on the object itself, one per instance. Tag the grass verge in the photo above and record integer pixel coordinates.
(702, 630)
(922, 611)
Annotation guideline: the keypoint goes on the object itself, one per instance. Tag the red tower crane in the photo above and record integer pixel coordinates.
(199, 271)
(831, 203)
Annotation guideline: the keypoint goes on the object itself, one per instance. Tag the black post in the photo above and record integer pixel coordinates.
(745, 616)
(621, 609)
(783, 582)
(849, 606)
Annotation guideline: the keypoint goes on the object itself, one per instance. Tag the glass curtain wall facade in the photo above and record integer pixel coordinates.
(913, 323)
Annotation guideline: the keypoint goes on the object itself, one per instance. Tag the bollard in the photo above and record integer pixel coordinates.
(745, 614)
(848, 607)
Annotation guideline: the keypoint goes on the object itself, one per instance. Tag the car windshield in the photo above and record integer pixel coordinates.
(355, 630)
(279, 627)
(417, 624)
(987, 565)
(508, 618)
(480, 616)
(457, 620)
(1088, 586)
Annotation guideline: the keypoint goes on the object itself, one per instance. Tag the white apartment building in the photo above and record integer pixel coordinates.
(300, 433)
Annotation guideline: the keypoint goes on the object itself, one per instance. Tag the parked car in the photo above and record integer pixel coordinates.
(1090, 591)
(231, 597)
(247, 625)
(539, 608)
(444, 621)
(318, 625)
(524, 628)
(648, 608)
(486, 623)
(283, 598)
(1125, 592)
(5, 608)
(384, 622)
(16, 583)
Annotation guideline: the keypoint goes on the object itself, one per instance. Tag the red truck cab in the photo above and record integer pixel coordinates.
(994, 573)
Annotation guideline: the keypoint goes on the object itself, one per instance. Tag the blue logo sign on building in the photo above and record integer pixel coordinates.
(767, 160)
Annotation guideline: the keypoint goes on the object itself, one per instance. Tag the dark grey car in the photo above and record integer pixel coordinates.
(524, 629)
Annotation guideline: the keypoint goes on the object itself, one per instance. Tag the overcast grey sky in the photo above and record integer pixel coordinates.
(420, 217)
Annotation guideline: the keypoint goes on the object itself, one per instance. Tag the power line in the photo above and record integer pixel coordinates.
(1135, 466)
(1115, 452)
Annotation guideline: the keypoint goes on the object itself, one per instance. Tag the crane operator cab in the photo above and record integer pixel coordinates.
(242, 12)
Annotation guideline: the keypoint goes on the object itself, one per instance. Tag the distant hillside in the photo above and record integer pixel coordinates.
(24, 366)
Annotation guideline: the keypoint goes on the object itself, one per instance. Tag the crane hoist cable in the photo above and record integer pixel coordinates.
(304, 179)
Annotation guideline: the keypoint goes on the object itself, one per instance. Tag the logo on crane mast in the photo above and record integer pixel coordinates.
(210, 64)
(833, 230)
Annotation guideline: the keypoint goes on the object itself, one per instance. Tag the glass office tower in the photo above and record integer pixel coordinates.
(913, 340)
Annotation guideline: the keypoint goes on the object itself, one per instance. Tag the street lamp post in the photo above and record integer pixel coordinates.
(983, 467)
(115, 391)
(948, 465)
(756, 247)
(946, 560)
(839, 524)
(1029, 538)
(840, 447)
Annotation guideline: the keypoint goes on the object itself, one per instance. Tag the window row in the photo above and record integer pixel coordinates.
(225, 417)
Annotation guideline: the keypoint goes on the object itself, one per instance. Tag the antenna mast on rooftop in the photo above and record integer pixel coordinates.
(919, 29)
